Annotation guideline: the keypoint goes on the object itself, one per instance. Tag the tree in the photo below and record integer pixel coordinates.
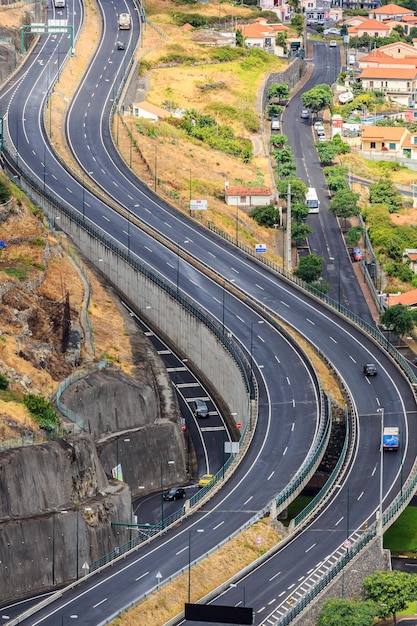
(240, 40)
(266, 215)
(280, 91)
(353, 235)
(309, 268)
(278, 141)
(317, 98)
(281, 40)
(297, 23)
(391, 590)
(345, 203)
(384, 192)
(399, 318)
(298, 189)
(274, 110)
(345, 613)
(300, 230)
(326, 151)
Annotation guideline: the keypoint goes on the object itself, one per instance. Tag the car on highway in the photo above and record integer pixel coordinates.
(205, 479)
(357, 254)
(175, 493)
(333, 43)
(305, 114)
(121, 45)
(200, 408)
(369, 369)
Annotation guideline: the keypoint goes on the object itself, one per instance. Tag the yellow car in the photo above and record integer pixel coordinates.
(206, 479)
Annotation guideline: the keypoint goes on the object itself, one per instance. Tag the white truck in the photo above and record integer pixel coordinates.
(59, 4)
(391, 438)
(124, 21)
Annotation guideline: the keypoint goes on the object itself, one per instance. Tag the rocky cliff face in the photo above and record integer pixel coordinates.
(56, 509)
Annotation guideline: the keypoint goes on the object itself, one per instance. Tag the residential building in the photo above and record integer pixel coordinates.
(148, 111)
(371, 27)
(410, 257)
(367, 5)
(395, 142)
(408, 299)
(378, 58)
(390, 12)
(248, 197)
(399, 50)
(280, 7)
(263, 35)
(398, 83)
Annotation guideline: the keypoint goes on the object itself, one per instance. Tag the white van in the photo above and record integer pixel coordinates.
(59, 4)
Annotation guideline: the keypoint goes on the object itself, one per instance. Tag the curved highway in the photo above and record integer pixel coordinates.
(288, 397)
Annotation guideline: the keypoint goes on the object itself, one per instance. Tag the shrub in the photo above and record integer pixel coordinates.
(42, 411)
(4, 383)
(266, 215)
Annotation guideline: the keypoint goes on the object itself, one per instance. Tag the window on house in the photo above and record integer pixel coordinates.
(392, 146)
(371, 84)
(268, 41)
(373, 145)
(414, 114)
(408, 85)
(242, 199)
(399, 51)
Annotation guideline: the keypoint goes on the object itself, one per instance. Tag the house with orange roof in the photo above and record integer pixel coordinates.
(408, 299)
(247, 197)
(398, 50)
(398, 83)
(390, 143)
(371, 27)
(390, 12)
(378, 58)
(354, 20)
(280, 7)
(410, 257)
(262, 35)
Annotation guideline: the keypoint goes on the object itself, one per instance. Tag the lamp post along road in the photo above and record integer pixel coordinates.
(381, 474)
(190, 532)
(162, 490)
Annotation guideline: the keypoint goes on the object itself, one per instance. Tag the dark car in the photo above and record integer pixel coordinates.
(357, 254)
(176, 493)
(369, 369)
(200, 408)
(121, 45)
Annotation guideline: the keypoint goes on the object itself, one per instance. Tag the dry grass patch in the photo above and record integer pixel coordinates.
(212, 572)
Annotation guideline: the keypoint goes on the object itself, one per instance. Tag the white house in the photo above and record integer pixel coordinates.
(247, 196)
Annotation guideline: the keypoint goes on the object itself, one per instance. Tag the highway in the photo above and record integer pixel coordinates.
(289, 398)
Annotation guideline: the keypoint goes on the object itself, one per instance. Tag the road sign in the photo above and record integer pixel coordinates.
(198, 205)
(260, 247)
(347, 544)
(259, 540)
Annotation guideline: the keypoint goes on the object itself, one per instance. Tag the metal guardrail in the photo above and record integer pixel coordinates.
(73, 378)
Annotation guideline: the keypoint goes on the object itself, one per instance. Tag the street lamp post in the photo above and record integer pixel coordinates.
(162, 490)
(223, 303)
(89, 173)
(198, 530)
(117, 458)
(237, 221)
(155, 165)
(64, 617)
(381, 473)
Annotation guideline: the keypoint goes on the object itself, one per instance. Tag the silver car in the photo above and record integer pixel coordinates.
(200, 408)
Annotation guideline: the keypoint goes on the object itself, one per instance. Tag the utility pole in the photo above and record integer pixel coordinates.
(288, 233)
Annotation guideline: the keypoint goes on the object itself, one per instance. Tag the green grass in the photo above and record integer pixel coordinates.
(296, 507)
(401, 538)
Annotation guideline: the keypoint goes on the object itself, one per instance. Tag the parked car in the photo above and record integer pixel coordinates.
(175, 493)
(357, 254)
(200, 408)
(318, 122)
(369, 369)
(205, 480)
(305, 114)
(322, 138)
(320, 131)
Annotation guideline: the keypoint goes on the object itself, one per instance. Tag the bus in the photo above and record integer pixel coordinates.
(312, 200)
